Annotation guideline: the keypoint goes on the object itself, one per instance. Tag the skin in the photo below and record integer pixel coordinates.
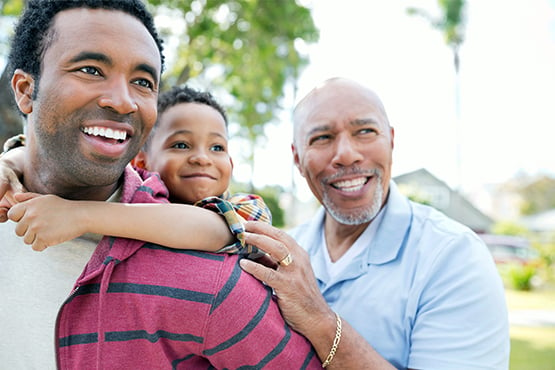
(101, 71)
(95, 106)
(189, 150)
(342, 146)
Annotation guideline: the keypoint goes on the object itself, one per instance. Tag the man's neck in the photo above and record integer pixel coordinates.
(340, 237)
(100, 193)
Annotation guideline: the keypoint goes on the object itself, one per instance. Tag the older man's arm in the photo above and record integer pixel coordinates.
(303, 306)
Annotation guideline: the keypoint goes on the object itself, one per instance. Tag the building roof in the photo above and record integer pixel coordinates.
(425, 186)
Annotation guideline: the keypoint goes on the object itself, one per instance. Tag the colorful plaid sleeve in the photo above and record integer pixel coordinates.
(236, 209)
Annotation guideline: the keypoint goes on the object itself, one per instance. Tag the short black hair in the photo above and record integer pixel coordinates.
(31, 36)
(184, 94)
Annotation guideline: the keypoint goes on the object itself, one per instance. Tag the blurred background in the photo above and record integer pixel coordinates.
(468, 85)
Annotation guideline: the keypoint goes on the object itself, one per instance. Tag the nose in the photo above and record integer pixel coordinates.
(346, 152)
(118, 97)
(199, 158)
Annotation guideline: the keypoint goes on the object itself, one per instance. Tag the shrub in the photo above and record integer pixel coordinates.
(520, 277)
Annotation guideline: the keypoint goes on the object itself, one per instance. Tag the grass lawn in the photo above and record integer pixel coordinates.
(532, 347)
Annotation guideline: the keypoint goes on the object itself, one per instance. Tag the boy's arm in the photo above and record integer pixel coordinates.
(49, 220)
(11, 169)
(179, 226)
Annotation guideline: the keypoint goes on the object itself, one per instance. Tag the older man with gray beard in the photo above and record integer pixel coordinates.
(380, 281)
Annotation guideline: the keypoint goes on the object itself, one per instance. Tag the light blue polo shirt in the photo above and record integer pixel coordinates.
(425, 293)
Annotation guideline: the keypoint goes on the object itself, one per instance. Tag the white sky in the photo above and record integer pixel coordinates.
(507, 84)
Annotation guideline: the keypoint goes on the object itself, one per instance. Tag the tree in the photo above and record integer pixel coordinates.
(244, 51)
(451, 23)
(11, 122)
(538, 195)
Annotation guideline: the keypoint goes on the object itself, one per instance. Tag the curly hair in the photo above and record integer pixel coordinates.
(184, 94)
(33, 32)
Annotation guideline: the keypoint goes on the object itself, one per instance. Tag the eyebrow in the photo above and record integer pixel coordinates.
(103, 58)
(355, 122)
(89, 55)
(364, 121)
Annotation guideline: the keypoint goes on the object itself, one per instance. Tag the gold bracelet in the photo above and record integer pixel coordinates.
(335, 342)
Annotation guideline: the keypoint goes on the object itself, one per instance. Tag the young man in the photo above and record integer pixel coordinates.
(414, 289)
(188, 149)
(86, 75)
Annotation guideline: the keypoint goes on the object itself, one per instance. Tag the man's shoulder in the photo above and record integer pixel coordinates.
(145, 187)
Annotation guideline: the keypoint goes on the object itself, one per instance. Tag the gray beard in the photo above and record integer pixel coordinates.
(360, 217)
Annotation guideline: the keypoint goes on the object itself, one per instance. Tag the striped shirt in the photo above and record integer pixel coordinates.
(144, 306)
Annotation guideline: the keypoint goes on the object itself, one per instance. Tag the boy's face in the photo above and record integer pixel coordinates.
(189, 151)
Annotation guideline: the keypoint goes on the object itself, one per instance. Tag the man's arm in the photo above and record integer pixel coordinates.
(301, 303)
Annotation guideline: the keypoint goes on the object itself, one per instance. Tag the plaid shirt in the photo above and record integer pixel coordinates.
(236, 209)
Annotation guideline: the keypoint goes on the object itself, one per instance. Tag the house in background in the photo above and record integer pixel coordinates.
(424, 186)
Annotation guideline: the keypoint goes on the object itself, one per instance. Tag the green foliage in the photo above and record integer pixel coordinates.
(245, 50)
(451, 22)
(509, 228)
(520, 277)
(546, 267)
(538, 195)
(271, 197)
(11, 7)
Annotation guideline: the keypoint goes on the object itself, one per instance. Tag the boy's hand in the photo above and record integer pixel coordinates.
(45, 220)
(9, 184)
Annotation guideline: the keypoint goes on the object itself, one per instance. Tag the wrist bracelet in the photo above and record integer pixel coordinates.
(335, 342)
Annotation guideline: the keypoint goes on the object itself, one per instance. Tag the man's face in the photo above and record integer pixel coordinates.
(343, 147)
(96, 102)
(189, 151)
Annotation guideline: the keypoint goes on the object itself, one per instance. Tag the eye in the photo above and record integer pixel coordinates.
(368, 131)
(320, 139)
(180, 145)
(218, 148)
(143, 82)
(90, 70)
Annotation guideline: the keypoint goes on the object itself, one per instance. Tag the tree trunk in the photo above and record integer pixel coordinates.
(11, 121)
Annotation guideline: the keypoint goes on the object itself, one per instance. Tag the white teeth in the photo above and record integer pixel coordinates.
(105, 132)
(350, 185)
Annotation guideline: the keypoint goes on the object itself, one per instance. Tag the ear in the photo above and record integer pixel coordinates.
(231, 162)
(23, 85)
(392, 137)
(140, 160)
(296, 159)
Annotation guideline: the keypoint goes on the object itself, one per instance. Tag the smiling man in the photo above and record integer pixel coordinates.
(377, 280)
(86, 75)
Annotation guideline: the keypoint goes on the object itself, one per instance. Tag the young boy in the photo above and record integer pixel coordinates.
(188, 149)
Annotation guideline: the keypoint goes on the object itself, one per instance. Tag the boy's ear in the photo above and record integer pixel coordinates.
(23, 85)
(140, 160)
(231, 162)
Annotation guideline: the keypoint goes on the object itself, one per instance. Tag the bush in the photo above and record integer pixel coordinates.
(520, 277)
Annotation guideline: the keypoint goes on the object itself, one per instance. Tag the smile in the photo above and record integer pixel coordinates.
(107, 133)
(350, 185)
